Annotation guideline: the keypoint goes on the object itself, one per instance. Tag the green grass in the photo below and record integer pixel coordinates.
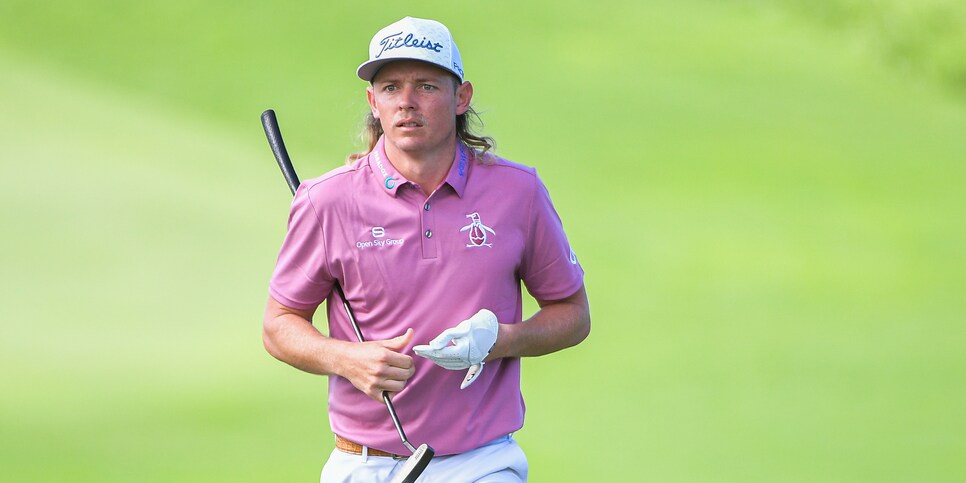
(924, 39)
(769, 211)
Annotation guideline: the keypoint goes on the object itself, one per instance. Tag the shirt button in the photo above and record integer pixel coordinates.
(429, 233)
(426, 207)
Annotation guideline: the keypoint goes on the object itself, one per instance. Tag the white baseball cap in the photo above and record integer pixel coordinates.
(413, 39)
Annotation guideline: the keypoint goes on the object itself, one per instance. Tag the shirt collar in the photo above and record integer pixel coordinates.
(391, 180)
(459, 170)
(383, 170)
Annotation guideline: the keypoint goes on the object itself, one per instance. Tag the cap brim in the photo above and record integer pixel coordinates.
(367, 71)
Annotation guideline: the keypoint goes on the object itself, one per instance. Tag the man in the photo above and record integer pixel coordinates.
(430, 236)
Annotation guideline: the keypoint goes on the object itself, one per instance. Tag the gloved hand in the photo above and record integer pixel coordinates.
(464, 346)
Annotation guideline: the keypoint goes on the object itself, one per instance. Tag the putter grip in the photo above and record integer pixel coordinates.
(274, 135)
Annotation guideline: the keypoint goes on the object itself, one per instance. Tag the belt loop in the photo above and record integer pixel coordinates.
(365, 454)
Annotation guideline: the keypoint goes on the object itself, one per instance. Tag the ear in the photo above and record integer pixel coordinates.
(372, 102)
(464, 94)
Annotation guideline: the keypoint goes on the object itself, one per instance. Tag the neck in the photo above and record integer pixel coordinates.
(428, 170)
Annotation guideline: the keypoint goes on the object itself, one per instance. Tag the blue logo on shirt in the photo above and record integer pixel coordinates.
(462, 166)
(389, 181)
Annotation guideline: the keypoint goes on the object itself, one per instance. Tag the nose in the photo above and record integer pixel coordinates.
(407, 101)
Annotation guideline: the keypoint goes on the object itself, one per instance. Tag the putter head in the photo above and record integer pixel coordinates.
(415, 465)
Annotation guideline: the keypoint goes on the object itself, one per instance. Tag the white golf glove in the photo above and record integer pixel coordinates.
(464, 346)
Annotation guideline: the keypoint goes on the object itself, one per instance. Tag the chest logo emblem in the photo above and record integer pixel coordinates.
(477, 231)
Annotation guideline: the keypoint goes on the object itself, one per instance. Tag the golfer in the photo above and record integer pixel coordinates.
(430, 235)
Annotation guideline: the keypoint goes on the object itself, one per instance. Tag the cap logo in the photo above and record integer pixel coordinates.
(396, 40)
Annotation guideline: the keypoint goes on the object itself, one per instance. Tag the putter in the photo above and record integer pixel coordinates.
(422, 455)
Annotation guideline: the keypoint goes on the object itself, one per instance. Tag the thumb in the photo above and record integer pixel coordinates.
(398, 343)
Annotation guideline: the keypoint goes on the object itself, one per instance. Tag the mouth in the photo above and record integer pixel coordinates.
(409, 123)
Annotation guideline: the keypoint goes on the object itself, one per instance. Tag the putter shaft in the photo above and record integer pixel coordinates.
(395, 421)
(385, 396)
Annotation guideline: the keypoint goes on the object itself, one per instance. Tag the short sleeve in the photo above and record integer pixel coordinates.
(550, 269)
(301, 279)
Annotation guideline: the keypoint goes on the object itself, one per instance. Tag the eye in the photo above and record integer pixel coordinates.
(389, 88)
(427, 87)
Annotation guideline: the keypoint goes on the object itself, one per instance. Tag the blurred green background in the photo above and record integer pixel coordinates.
(767, 197)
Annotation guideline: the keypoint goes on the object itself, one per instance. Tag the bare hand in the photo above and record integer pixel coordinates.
(377, 366)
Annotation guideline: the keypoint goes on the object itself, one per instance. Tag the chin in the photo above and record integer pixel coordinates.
(410, 144)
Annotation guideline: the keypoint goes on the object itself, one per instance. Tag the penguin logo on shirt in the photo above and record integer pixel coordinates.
(477, 231)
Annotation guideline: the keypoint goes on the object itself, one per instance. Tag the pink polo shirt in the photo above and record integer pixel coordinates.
(407, 260)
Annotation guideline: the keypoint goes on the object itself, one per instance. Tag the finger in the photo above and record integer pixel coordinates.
(457, 350)
(446, 336)
(471, 374)
(398, 373)
(395, 360)
(395, 357)
(422, 350)
(441, 358)
(399, 343)
(450, 357)
(441, 340)
(393, 382)
(427, 352)
(376, 387)
(391, 386)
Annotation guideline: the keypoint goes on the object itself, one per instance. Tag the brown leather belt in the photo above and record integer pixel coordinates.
(351, 447)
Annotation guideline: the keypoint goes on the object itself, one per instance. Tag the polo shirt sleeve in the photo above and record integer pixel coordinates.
(301, 279)
(550, 269)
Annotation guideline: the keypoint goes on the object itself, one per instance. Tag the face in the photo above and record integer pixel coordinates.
(417, 104)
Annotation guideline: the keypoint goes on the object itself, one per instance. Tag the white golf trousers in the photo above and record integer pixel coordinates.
(501, 460)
